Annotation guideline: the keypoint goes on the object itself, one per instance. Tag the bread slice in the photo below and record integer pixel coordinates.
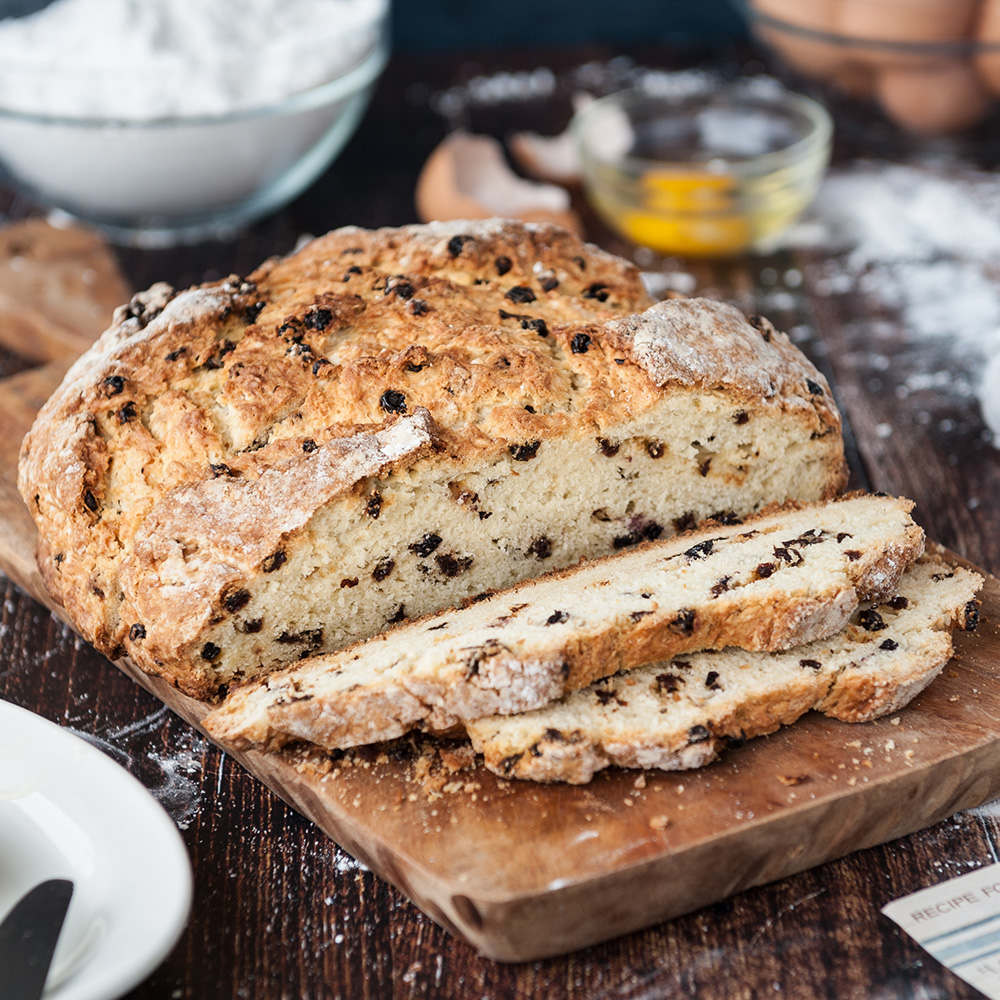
(387, 423)
(680, 714)
(773, 582)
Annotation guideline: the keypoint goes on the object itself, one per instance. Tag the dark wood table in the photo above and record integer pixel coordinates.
(280, 911)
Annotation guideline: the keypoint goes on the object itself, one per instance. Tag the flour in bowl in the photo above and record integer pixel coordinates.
(148, 59)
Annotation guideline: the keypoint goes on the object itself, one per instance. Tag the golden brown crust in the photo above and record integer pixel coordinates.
(506, 333)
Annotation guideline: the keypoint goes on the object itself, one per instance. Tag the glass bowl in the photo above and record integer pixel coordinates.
(182, 179)
(710, 174)
(932, 66)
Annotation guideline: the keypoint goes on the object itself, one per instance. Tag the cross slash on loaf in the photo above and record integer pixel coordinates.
(776, 581)
(388, 423)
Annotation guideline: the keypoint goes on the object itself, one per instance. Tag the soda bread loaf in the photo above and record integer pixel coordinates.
(776, 581)
(680, 714)
(386, 423)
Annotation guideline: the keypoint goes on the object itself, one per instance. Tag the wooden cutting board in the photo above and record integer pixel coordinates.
(524, 871)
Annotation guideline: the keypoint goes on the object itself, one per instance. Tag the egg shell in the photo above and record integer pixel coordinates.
(988, 33)
(443, 194)
(915, 22)
(811, 57)
(934, 100)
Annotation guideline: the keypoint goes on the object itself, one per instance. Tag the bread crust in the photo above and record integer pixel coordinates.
(346, 339)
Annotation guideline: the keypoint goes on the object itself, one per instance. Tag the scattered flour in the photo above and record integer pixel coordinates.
(924, 243)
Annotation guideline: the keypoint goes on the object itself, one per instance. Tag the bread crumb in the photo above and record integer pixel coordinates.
(640, 782)
(953, 698)
(659, 822)
(793, 779)
(894, 721)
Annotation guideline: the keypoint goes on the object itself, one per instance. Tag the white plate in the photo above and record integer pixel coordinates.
(67, 810)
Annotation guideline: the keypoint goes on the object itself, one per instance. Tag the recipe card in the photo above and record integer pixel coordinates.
(958, 922)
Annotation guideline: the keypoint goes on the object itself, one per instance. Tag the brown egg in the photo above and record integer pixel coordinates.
(933, 100)
(467, 177)
(811, 56)
(988, 33)
(856, 80)
(903, 21)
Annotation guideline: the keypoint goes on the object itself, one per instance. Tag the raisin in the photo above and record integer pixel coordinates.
(557, 618)
(651, 531)
(59, 557)
(274, 561)
(236, 600)
(870, 620)
(251, 626)
(841, 535)
(740, 417)
(764, 570)
(814, 387)
(898, 603)
(411, 367)
(452, 565)
(549, 283)
(580, 263)
(852, 554)
(604, 696)
(503, 265)
(309, 446)
(348, 581)
(811, 664)
(174, 355)
(373, 506)
(524, 452)
(317, 365)
(521, 294)
(399, 615)
(456, 243)
(683, 622)
(137, 632)
(729, 517)
(971, 616)
(607, 448)
(251, 312)
(90, 501)
(393, 401)
(317, 318)
(382, 569)
(685, 522)
(352, 270)
(113, 385)
(654, 449)
(400, 287)
(127, 413)
(426, 545)
(698, 734)
(704, 466)
(210, 651)
(508, 764)
(720, 586)
(580, 343)
(639, 615)
(712, 681)
(700, 550)
(529, 408)
(419, 308)
(597, 291)
(889, 645)
(667, 683)
(540, 547)
(624, 541)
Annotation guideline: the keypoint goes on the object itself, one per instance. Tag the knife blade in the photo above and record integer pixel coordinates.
(28, 938)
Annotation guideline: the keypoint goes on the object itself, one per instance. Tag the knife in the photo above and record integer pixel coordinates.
(28, 938)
